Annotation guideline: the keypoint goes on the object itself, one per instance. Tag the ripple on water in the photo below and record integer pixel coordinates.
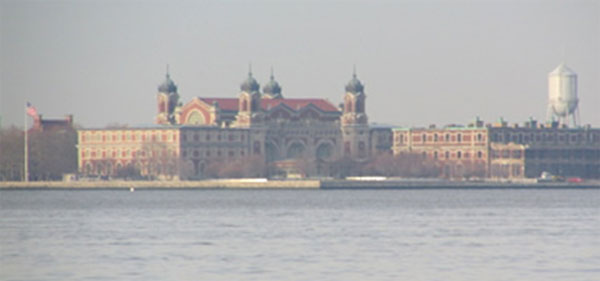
(301, 235)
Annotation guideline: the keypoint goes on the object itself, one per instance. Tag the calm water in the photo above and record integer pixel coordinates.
(300, 235)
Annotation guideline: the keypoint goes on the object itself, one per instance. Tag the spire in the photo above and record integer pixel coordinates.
(168, 86)
(250, 85)
(272, 89)
(354, 86)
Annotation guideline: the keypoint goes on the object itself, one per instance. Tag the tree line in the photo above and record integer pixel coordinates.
(51, 154)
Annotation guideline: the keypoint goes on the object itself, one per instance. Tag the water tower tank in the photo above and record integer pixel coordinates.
(562, 90)
(562, 96)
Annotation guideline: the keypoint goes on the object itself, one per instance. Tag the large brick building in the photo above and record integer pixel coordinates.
(289, 135)
(503, 151)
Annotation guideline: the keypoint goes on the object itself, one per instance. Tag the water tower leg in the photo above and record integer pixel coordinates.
(549, 113)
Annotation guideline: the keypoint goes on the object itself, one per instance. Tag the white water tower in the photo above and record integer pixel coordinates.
(562, 95)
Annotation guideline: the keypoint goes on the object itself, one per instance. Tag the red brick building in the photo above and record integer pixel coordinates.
(502, 151)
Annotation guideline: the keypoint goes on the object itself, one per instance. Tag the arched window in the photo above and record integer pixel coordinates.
(195, 118)
(272, 152)
(324, 151)
(458, 154)
(435, 137)
(424, 137)
(296, 150)
(479, 154)
(459, 138)
(447, 137)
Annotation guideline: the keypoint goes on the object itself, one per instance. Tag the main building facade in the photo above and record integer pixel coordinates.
(300, 136)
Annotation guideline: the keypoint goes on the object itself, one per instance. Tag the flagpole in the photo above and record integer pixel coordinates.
(26, 156)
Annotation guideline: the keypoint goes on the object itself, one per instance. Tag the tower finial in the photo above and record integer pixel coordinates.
(167, 70)
(250, 69)
(272, 77)
(354, 70)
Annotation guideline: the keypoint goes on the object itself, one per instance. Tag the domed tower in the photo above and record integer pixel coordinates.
(562, 95)
(167, 99)
(249, 110)
(272, 90)
(354, 121)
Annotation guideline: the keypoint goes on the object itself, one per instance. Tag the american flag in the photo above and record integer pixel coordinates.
(31, 111)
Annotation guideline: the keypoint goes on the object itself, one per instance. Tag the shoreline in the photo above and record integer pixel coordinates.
(294, 184)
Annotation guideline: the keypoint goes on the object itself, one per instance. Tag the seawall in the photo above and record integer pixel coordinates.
(290, 184)
(205, 184)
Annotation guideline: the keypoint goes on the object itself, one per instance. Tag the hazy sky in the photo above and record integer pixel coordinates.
(422, 62)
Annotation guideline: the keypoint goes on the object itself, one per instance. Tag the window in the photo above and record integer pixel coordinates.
(479, 154)
(435, 137)
(447, 137)
(459, 138)
(479, 137)
(447, 155)
(516, 154)
(458, 154)
(256, 147)
(435, 155)
(424, 137)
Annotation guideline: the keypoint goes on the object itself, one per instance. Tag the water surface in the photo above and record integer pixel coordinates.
(444, 234)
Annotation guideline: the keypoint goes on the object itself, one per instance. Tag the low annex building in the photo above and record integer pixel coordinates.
(502, 151)
(288, 136)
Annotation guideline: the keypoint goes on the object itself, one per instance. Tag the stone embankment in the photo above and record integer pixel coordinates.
(291, 184)
(229, 183)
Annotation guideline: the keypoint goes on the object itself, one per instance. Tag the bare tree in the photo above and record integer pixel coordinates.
(11, 154)
(245, 167)
(52, 153)
(403, 165)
